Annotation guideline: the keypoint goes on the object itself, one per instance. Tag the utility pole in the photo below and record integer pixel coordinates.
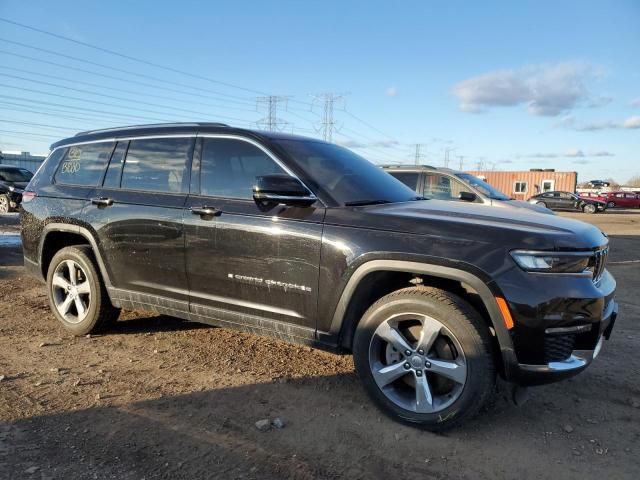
(479, 165)
(271, 122)
(327, 125)
(419, 154)
(446, 155)
(461, 159)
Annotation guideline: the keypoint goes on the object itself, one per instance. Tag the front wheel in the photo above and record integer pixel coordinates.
(589, 209)
(77, 295)
(5, 205)
(424, 356)
(611, 204)
(542, 204)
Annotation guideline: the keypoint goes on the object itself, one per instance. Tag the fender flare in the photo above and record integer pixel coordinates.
(78, 230)
(480, 286)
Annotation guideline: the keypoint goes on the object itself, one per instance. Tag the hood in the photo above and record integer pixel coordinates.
(529, 206)
(460, 221)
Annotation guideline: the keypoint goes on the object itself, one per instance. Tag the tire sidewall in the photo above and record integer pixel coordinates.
(480, 371)
(589, 209)
(90, 320)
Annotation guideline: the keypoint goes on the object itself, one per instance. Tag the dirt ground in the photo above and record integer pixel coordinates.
(157, 397)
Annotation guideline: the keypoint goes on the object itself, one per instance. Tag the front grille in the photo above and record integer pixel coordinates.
(599, 262)
(558, 347)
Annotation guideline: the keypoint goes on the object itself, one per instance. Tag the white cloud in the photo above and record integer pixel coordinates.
(547, 90)
(349, 143)
(574, 152)
(391, 92)
(386, 143)
(571, 153)
(570, 122)
(631, 122)
(636, 103)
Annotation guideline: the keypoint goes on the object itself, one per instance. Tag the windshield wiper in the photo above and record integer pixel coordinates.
(359, 203)
(415, 199)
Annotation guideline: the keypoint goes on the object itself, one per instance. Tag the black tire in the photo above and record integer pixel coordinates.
(5, 204)
(100, 313)
(588, 208)
(470, 331)
(542, 204)
(611, 204)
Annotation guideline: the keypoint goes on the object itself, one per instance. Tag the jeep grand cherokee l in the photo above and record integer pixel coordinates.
(306, 241)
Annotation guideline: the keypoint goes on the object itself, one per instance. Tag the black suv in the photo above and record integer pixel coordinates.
(306, 241)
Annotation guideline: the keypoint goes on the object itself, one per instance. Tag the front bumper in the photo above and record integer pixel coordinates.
(559, 324)
(579, 360)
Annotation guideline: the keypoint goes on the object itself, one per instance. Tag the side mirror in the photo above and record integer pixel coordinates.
(282, 189)
(468, 196)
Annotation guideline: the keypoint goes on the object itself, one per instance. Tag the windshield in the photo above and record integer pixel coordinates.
(344, 176)
(483, 186)
(15, 174)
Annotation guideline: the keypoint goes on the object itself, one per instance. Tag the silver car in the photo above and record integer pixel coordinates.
(447, 184)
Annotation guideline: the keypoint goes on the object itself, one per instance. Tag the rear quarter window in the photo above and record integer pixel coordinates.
(84, 164)
(410, 179)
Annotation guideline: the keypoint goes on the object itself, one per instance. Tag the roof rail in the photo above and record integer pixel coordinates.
(152, 125)
(408, 166)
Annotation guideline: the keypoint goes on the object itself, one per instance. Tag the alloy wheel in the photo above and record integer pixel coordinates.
(4, 204)
(71, 291)
(417, 363)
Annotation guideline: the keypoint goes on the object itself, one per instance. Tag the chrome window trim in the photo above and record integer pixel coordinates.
(197, 135)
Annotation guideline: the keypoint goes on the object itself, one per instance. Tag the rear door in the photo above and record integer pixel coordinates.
(242, 258)
(137, 214)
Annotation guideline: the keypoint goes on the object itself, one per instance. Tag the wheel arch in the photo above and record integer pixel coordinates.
(354, 299)
(59, 235)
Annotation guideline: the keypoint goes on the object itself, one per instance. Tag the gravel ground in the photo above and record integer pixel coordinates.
(157, 397)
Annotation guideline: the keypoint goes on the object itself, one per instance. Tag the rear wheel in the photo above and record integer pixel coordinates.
(77, 295)
(5, 206)
(424, 357)
(589, 208)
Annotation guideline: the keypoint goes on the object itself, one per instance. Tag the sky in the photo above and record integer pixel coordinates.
(500, 85)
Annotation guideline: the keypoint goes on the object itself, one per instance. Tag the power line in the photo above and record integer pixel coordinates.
(109, 67)
(114, 97)
(44, 125)
(212, 95)
(129, 57)
(104, 87)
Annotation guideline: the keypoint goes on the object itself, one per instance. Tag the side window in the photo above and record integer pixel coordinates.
(84, 164)
(229, 168)
(520, 187)
(112, 178)
(157, 164)
(410, 179)
(442, 187)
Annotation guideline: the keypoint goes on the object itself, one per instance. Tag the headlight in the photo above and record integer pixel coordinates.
(552, 262)
(11, 188)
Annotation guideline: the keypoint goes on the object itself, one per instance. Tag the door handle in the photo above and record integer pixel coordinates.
(206, 211)
(102, 201)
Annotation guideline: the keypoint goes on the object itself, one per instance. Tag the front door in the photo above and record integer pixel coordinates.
(240, 258)
(137, 215)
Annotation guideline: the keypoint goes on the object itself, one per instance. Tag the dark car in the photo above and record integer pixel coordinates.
(13, 180)
(447, 184)
(568, 201)
(306, 241)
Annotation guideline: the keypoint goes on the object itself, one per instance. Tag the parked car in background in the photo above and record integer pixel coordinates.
(620, 199)
(13, 181)
(568, 201)
(447, 184)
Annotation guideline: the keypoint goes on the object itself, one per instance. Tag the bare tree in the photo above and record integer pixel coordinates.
(634, 181)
